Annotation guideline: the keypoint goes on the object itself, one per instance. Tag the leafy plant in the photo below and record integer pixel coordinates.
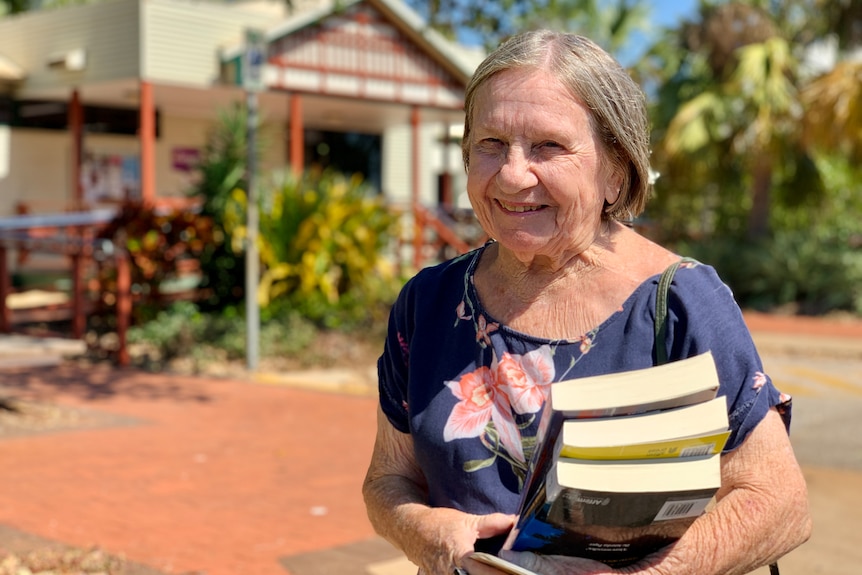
(812, 274)
(163, 247)
(181, 330)
(323, 241)
(220, 171)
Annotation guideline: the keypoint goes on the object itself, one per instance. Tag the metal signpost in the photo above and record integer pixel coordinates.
(252, 81)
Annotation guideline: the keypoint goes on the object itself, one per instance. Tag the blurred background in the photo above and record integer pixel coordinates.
(237, 189)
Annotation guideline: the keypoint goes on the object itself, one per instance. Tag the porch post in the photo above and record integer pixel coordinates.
(124, 305)
(76, 125)
(297, 135)
(79, 321)
(418, 228)
(76, 128)
(147, 137)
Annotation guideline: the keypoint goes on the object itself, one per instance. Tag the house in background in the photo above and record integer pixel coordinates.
(113, 101)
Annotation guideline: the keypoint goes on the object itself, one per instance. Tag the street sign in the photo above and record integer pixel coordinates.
(254, 60)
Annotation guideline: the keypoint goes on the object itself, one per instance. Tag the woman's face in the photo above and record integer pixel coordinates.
(536, 178)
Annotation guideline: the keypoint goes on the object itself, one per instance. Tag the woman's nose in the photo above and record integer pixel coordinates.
(516, 173)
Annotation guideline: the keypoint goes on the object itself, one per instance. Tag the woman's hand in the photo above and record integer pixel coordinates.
(445, 537)
(542, 564)
(435, 539)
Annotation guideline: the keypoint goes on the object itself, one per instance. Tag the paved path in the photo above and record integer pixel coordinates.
(183, 475)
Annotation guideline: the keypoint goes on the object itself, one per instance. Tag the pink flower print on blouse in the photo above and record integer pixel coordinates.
(586, 344)
(484, 329)
(526, 378)
(480, 403)
(405, 347)
(759, 380)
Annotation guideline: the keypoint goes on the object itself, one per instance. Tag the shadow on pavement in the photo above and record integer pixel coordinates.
(99, 382)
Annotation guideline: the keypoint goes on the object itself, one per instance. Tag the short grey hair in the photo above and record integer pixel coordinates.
(616, 104)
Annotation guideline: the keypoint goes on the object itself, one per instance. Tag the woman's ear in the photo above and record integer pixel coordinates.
(613, 189)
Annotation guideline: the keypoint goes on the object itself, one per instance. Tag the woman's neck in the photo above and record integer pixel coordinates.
(531, 276)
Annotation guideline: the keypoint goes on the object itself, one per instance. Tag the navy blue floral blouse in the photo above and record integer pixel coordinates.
(469, 389)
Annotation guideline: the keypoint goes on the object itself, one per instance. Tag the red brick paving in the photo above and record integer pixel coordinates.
(216, 477)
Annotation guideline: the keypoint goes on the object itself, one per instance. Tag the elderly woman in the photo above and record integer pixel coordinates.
(556, 147)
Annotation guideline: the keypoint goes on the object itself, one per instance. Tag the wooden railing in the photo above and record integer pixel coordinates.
(447, 238)
(73, 235)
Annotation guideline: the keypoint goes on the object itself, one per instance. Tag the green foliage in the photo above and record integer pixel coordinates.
(163, 248)
(222, 165)
(813, 260)
(609, 23)
(813, 274)
(182, 331)
(14, 6)
(220, 171)
(323, 239)
(171, 332)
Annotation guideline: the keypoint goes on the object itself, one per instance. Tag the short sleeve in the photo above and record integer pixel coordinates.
(392, 366)
(703, 315)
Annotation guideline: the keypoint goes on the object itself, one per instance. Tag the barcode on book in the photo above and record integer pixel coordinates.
(679, 509)
(697, 450)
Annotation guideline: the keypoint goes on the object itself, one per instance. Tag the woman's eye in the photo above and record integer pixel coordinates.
(490, 144)
(551, 145)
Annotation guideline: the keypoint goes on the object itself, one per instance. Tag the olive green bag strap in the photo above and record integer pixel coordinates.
(661, 310)
(661, 331)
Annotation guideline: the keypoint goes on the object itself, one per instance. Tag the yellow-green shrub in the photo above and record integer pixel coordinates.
(323, 242)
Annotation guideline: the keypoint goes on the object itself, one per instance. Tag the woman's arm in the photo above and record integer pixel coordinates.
(761, 514)
(435, 539)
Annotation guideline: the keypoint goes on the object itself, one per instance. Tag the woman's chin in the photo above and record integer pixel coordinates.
(524, 246)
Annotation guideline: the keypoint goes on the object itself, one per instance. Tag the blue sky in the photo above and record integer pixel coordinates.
(664, 13)
(668, 12)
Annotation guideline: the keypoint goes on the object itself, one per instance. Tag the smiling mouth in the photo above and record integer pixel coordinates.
(519, 208)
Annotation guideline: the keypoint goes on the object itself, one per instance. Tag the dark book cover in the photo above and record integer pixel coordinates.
(614, 528)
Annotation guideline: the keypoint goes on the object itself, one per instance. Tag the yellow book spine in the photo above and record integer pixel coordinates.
(681, 447)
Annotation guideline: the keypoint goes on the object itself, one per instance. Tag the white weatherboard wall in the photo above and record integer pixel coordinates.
(184, 133)
(39, 163)
(182, 40)
(398, 172)
(107, 31)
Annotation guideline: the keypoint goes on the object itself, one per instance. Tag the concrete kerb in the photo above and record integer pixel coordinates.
(15, 345)
(336, 380)
(17, 351)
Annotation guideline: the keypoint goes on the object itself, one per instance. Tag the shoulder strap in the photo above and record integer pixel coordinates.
(661, 312)
(661, 309)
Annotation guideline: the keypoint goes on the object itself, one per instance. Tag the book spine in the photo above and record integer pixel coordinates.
(685, 447)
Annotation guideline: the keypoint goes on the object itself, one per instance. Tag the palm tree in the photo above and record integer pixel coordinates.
(609, 24)
(833, 103)
(14, 6)
(747, 107)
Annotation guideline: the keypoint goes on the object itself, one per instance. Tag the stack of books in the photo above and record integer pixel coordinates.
(623, 464)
